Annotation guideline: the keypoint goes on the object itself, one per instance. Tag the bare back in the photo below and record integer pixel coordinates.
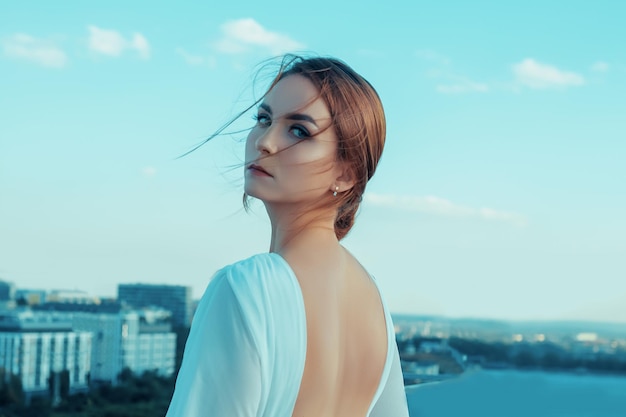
(347, 337)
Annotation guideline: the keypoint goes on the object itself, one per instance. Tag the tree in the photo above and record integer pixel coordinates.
(11, 391)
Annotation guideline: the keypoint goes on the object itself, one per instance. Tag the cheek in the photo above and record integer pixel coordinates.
(313, 154)
(312, 166)
(250, 141)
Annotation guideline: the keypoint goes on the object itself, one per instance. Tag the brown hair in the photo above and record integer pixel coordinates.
(358, 120)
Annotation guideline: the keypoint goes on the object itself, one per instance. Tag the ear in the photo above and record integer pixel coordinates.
(344, 177)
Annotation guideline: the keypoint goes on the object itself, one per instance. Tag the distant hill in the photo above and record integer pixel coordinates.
(560, 327)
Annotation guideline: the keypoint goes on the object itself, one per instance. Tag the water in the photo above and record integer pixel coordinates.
(520, 394)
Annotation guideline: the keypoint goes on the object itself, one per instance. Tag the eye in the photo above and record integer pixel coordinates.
(300, 132)
(263, 119)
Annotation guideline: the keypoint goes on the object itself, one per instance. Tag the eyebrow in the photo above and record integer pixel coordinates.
(291, 116)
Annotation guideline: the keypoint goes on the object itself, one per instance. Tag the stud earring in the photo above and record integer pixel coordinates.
(335, 192)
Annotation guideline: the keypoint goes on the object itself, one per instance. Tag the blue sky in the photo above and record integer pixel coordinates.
(500, 193)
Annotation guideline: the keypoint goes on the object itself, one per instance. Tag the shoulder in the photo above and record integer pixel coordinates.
(262, 263)
(235, 298)
(254, 273)
(258, 293)
(257, 284)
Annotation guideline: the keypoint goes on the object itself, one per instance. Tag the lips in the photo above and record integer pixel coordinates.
(259, 169)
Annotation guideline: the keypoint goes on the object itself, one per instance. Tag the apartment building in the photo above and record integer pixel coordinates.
(140, 340)
(174, 298)
(39, 347)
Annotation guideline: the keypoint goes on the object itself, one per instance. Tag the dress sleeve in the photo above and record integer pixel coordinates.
(220, 373)
(392, 401)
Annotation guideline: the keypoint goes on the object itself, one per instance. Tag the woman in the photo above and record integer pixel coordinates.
(301, 330)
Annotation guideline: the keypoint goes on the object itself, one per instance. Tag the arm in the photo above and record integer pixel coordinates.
(220, 374)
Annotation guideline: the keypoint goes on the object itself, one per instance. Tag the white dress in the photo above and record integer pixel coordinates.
(247, 346)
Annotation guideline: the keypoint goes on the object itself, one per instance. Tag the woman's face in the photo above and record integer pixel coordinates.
(291, 151)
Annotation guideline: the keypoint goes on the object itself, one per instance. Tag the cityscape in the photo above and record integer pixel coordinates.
(58, 347)
(58, 344)
(495, 219)
(435, 348)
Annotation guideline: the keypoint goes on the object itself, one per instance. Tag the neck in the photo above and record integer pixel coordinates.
(293, 226)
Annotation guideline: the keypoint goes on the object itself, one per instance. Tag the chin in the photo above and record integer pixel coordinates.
(253, 192)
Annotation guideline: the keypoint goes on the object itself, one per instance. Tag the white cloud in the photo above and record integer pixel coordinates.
(465, 86)
(190, 58)
(140, 44)
(449, 81)
(600, 66)
(196, 60)
(107, 42)
(39, 51)
(536, 75)
(238, 36)
(112, 43)
(440, 206)
(148, 171)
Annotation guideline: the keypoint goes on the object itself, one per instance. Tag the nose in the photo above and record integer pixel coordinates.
(266, 141)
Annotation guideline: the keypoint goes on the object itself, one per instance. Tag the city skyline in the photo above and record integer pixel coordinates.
(499, 194)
